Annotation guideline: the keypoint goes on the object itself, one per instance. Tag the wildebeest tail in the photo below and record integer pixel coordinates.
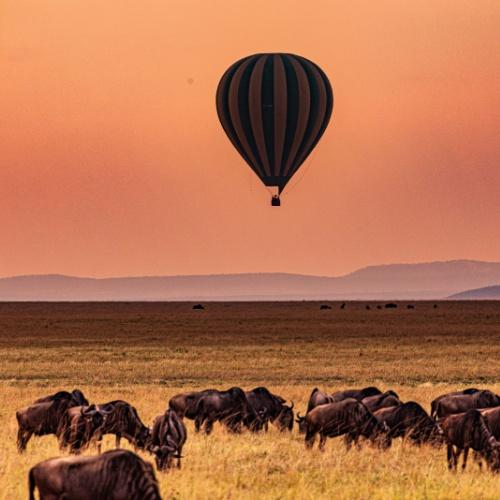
(434, 406)
(309, 404)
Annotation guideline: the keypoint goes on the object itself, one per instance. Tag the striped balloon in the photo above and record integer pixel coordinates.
(274, 108)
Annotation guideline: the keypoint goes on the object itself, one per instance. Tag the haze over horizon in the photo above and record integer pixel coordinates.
(113, 162)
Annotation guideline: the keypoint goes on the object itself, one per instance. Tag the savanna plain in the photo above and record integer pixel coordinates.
(147, 352)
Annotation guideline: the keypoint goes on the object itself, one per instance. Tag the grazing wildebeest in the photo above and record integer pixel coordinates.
(384, 400)
(272, 407)
(43, 417)
(467, 430)
(343, 306)
(114, 475)
(410, 420)
(322, 307)
(79, 426)
(198, 307)
(410, 306)
(434, 403)
(391, 305)
(184, 404)
(461, 403)
(229, 407)
(122, 420)
(167, 439)
(347, 417)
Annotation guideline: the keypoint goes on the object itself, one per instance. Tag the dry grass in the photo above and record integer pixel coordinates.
(145, 353)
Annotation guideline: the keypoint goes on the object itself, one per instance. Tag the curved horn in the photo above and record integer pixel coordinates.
(291, 407)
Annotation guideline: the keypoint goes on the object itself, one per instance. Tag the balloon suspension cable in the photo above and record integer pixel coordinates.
(305, 168)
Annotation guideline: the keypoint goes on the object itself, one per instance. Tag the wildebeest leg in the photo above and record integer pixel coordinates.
(449, 456)
(198, 422)
(478, 459)
(209, 425)
(118, 436)
(322, 441)
(466, 453)
(348, 440)
(99, 446)
(456, 456)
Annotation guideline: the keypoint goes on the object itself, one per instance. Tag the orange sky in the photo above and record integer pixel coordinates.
(113, 162)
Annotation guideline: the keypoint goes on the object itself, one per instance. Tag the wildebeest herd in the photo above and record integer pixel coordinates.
(463, 420)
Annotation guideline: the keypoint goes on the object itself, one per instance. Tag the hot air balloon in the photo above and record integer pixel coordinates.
(274, 108)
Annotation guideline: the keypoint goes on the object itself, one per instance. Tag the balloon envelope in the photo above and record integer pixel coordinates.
(274, 108)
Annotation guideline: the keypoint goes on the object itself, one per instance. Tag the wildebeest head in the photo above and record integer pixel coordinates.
(285, 418)
(377, 432)
(164, 455)
(130, 424)
(138, 431)
(382, 437)
(493, 456)
(302, 423)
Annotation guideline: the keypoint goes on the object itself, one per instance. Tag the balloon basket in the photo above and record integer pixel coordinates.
(275, 201)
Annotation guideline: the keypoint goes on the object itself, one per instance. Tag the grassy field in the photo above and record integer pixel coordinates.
(145, 353)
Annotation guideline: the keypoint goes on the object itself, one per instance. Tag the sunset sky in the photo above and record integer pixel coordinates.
(113, 161)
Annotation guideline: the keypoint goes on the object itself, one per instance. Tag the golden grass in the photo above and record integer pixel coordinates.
(144, 353)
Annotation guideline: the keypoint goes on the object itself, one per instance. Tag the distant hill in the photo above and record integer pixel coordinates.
(485, 293)
(396, 281)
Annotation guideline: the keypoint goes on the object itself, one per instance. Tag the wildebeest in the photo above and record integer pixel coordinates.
(461, 403)
(471, 390)
(229, 407)
(78, 426)
(347, 417)
(384, 400)
(322, 307)
(391, 305)
(122, 420)
(114, 475)
(43, 417)
(271, 407)
(167, 439)
(184, 404)
(318, 397)
(467, 430)
(410, 420)
(198, 307)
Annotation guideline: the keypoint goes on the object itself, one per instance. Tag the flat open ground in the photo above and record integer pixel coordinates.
(146, 352)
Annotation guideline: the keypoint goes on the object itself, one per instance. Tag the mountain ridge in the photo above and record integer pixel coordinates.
(483, 293)
(428, 280)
